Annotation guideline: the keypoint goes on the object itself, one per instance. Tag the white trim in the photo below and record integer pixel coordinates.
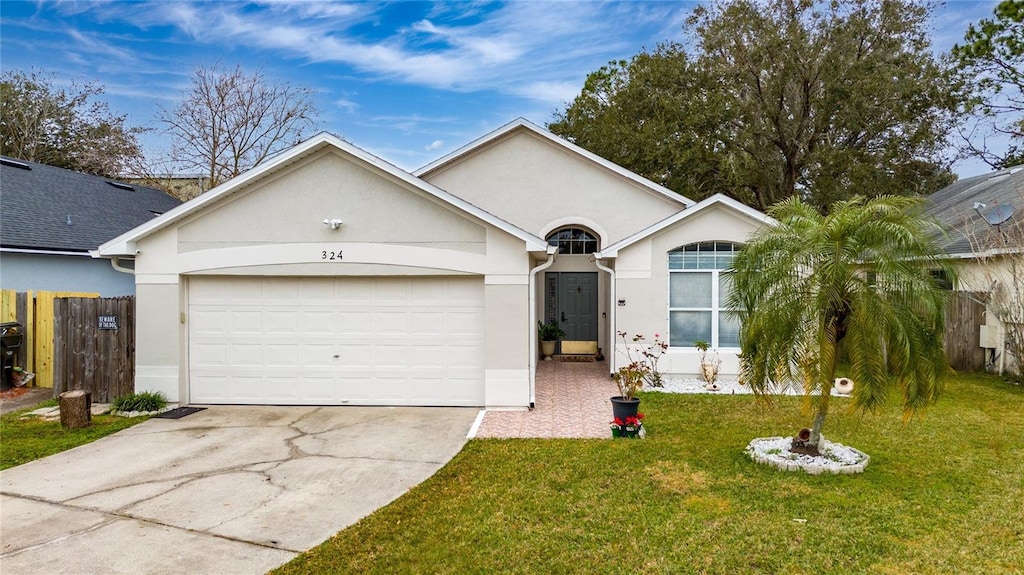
(506, 279)
(309, 253)
(757, 215)
(43, 252)
(522, 123)
(984, 254)
(476, 424)
(156, 279)
(124, 243)
(532, 313)
(613, 337)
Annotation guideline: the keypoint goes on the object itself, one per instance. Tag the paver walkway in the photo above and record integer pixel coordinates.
(572, 401)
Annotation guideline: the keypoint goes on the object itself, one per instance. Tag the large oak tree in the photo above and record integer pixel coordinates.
(771, 100)
(65, 126)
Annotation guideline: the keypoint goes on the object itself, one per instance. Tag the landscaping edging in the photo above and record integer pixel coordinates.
(835, 458)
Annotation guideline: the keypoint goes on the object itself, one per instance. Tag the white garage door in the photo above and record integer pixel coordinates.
(336, 341)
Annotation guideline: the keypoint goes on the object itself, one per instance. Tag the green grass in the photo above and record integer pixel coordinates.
(24, 440)
(943, 494)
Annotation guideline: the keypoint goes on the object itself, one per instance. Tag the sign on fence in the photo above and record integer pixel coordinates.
(108, 322)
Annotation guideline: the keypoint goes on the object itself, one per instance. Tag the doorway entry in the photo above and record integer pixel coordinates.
(571, 300)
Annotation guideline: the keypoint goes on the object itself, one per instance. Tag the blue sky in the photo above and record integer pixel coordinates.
(407, 81)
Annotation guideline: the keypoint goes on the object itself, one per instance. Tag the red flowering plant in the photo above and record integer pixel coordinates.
(628, 427)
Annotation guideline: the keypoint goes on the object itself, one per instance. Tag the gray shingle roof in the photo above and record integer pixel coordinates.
(953, 206)
(36, 205)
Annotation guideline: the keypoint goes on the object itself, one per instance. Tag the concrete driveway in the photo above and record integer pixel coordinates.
(226, 490)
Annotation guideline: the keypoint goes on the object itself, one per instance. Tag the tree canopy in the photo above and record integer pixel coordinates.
(64, 126)
(992, 61)
(778, 99)
(855, 284)
(230, 121)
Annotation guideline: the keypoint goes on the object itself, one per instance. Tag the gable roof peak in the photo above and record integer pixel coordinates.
(520, 124)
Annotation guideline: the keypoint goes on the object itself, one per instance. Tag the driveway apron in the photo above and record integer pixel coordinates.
(226, 490)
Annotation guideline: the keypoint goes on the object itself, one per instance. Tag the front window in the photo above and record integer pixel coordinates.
(699, 286)
(573, 241)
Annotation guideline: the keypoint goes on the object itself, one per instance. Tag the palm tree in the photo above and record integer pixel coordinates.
(860, 284)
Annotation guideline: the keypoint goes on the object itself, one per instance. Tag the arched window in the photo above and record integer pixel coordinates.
(699, 286)
(573, 241)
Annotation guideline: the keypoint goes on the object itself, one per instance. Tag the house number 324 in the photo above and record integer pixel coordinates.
(331, 256)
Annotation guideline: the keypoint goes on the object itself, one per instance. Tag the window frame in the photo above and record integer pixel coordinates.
(717, 307)
(565, 245)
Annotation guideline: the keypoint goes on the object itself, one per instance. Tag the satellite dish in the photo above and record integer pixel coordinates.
(998, 214)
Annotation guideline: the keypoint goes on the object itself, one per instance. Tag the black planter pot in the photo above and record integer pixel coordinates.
(623, 408)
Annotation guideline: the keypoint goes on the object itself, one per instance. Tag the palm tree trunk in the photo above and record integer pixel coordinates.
(827, 379)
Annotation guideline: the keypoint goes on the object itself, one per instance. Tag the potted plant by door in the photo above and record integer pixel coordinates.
(549, 333)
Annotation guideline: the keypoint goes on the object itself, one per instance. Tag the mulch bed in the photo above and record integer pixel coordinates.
(13, 393)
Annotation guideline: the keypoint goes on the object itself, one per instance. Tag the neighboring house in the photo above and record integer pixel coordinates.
(50, 218)
(181, 186)
(984, 219)
(329, 276)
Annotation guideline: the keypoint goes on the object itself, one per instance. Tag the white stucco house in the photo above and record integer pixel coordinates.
(327, 276)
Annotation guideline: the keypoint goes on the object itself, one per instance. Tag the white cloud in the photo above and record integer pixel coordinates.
(436, 144)
(560, 92)
(346, 105)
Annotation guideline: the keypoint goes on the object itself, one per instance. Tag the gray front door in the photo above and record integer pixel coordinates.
(576, 308)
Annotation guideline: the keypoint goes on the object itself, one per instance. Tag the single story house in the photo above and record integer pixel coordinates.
(328, 276)
(984, 219)
(51, 218)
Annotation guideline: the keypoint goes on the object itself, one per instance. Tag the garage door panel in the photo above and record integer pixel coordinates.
(209, 321)
(316, 388)
(281, 322)
(389, 341)
(209, 355)
(463, 324)
(391, 322)
(246, 387)
(246, 354)
(244, 322)
(426, 356)
(283, 355)
(355, 323)
(316, 355)
(317, 322)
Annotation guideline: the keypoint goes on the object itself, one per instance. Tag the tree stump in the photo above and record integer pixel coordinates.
(75, 409)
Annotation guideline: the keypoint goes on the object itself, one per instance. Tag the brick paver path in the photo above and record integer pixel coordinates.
(572, 401)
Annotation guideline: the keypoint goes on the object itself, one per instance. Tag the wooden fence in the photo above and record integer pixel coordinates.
(94, 346)
(34, 310)
(964, 318)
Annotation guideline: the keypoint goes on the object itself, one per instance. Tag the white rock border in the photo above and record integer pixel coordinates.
(775, 451)
(168, 407)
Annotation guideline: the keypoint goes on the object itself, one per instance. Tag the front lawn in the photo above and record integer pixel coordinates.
(943, 494)
(24, 440)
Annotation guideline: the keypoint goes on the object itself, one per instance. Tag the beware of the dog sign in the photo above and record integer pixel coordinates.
(108, 322)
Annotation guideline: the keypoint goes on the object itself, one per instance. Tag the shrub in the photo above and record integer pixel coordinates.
(145, 401)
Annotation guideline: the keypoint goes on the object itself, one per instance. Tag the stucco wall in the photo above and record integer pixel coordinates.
(23, 272)
(537, 185)
(290, 207)
(275, 228)
(642, 280)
